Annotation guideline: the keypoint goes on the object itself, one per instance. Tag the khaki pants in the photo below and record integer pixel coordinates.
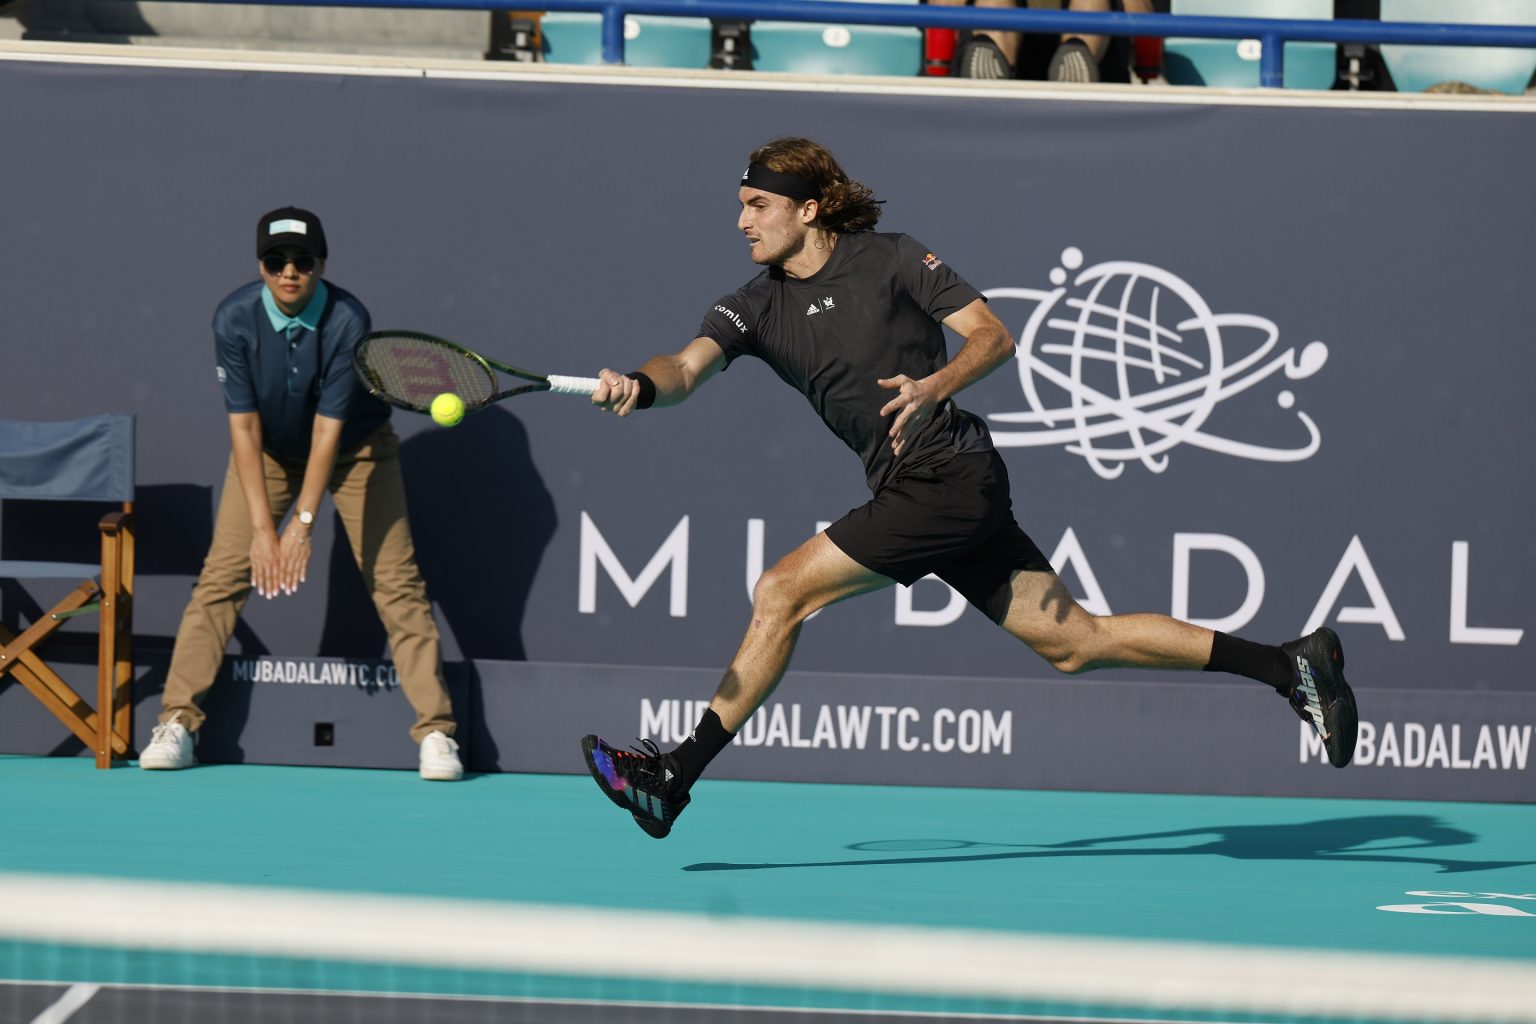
(369, 493)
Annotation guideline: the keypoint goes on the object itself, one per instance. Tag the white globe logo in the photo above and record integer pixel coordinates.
(1129, 361)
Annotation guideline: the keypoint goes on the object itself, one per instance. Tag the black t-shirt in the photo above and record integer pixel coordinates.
(872, 312)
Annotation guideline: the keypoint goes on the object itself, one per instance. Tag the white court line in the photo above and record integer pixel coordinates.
(904, 960)
(798, 1012)
(73, 998)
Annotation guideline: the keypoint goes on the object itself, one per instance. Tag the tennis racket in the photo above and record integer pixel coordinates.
(408, 369)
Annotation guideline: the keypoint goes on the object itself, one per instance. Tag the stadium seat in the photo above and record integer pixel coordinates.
(649, 41)
(1502, 69)
(817, 48)
(1234, 63)
(79, 461)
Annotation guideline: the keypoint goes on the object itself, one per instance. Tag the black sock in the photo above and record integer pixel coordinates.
(693, 755)
(1256, 661)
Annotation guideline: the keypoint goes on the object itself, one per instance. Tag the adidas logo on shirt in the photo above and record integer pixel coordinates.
(812, 308)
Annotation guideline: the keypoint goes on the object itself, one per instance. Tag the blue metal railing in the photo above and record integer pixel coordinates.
(1273, 33)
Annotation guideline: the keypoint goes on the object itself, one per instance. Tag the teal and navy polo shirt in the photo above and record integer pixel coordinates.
(290, 369)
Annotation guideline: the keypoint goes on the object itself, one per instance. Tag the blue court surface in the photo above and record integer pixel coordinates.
(250, 893)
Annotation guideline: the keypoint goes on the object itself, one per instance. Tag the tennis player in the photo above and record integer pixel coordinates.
(300, 425)
(851, 318)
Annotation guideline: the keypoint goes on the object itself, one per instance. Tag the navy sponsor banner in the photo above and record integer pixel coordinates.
(1272, 370)
(1089, 734)
(261, 710)
(316, 711)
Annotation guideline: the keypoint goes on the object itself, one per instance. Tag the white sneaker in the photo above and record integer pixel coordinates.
(440, 758)
(170, 747)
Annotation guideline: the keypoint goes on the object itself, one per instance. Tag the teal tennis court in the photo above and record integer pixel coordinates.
(246, 893)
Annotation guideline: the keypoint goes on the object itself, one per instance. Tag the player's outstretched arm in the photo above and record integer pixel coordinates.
(988, 345)
(673, 378)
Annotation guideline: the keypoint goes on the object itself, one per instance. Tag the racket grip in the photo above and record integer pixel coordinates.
(562, 385)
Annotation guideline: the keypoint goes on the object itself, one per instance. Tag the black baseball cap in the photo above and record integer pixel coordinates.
(290, 228)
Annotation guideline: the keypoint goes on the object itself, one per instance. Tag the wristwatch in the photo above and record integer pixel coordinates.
(306, 517)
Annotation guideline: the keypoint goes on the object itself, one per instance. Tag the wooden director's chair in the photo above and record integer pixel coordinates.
(88, 460)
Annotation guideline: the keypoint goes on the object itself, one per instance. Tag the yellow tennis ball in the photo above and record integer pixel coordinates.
(447, 409)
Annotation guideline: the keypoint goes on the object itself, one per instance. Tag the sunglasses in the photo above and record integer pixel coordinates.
(302, 262)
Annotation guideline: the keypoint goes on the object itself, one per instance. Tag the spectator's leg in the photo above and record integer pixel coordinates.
(988, 53)
(1096, 44)
(1078, 57)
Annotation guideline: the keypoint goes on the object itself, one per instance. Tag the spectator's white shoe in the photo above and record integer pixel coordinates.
(170, 747)
(440, 758)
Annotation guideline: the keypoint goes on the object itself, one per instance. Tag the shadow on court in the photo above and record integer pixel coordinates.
(1377, 838)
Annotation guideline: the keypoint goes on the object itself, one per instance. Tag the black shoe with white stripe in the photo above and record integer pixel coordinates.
(1320, 696)
(982, 58)
(643, 782)
(1073, 62)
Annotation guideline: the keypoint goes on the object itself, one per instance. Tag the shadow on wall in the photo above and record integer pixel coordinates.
(174, 523)
(481, 518)
(174, 526)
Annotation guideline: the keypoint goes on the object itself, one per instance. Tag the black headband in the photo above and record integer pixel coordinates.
(780, 183)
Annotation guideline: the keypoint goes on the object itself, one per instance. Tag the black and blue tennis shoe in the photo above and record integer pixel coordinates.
(645, 782)
(1319, 694)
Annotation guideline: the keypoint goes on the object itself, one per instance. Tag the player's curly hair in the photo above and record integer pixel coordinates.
(846, 205)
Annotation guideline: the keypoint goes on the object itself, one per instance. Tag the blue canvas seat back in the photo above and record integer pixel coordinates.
(83, 460)
(89, 459)
(650, 41)
(1502, 69)
(823, 48)
(1234, 63)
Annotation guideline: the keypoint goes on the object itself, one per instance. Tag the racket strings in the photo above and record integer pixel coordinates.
(416, 370)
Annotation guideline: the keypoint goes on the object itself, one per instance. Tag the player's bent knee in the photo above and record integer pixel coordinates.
(779, 596)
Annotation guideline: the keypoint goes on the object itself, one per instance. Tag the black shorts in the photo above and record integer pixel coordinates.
(954, 520)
